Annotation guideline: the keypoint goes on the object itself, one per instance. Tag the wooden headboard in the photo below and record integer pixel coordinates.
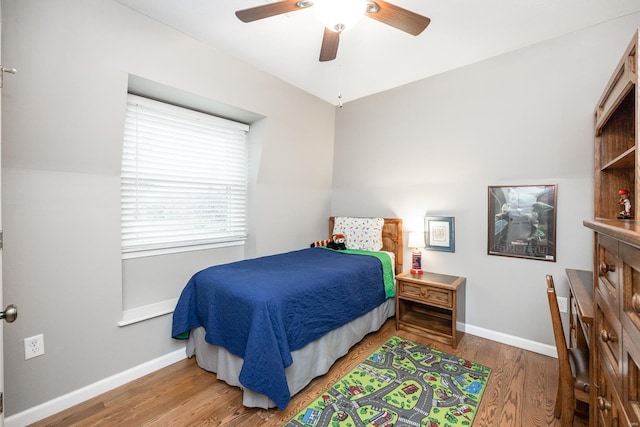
(391, 238)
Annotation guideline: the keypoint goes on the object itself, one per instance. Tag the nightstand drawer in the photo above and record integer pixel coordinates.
(426, 294)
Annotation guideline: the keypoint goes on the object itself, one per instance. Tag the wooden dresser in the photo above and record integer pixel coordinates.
(615, 346)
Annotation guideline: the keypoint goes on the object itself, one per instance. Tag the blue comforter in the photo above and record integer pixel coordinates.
(263, 309)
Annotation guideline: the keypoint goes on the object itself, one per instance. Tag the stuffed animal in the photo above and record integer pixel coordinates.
(338, 242)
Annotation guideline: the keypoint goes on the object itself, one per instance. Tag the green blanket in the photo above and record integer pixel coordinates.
(387, 268)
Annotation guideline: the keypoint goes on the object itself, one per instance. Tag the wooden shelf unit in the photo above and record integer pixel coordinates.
(616, 153)
(615, 346)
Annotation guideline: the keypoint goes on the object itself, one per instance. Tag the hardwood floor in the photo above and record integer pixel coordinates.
(521, 391)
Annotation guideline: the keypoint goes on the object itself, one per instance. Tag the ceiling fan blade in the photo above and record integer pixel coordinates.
(329, 48)
(398, 17)
(271, 9)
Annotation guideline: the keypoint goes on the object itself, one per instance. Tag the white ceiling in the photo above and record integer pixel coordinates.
(373, 57)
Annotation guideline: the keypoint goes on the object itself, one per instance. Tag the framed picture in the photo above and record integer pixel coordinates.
(522, 221)
(439, 233)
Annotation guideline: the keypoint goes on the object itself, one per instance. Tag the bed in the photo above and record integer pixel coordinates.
(271, 324)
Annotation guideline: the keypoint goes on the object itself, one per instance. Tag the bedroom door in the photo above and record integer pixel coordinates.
(1, 289)
(4, 313)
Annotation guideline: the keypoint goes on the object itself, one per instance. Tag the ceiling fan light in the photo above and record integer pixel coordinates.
(340, 15)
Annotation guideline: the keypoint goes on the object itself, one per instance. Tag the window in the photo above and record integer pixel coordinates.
(183, 179)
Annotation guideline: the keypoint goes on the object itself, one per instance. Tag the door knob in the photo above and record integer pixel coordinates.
(10, 314)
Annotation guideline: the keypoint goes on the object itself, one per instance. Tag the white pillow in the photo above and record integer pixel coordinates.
(360, 233)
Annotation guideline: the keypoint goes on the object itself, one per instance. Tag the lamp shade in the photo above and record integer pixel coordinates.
(339, 15)
(416, 239)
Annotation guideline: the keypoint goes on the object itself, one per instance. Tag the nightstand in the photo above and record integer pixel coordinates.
(431, 304)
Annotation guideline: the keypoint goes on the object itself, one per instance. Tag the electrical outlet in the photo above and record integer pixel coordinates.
(562, 304)
(33, 346)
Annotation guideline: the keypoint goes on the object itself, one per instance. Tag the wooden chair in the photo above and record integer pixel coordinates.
(573, 383)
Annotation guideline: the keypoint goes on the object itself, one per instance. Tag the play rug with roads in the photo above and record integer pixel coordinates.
(402, 383)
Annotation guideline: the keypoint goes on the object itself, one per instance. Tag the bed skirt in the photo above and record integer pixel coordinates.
(311, 361)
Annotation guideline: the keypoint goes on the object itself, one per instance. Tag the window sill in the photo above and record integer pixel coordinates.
(140, 314)
(166, 251)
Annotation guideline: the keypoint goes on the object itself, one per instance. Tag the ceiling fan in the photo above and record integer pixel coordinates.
(387, 13)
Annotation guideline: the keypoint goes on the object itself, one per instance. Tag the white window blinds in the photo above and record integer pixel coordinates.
(183, 178)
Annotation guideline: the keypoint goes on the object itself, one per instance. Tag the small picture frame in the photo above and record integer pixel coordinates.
(439, 233)
(522, 221)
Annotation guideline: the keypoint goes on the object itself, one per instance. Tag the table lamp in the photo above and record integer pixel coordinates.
(416, 241)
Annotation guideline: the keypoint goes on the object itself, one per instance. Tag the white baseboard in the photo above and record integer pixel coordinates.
(547, 350)
(68, 400)
(61, 403)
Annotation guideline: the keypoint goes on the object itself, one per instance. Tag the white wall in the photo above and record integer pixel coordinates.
(436, 145)
(61, 143)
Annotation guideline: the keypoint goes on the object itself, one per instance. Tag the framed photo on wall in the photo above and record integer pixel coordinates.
(522, 221)
(439, 233)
